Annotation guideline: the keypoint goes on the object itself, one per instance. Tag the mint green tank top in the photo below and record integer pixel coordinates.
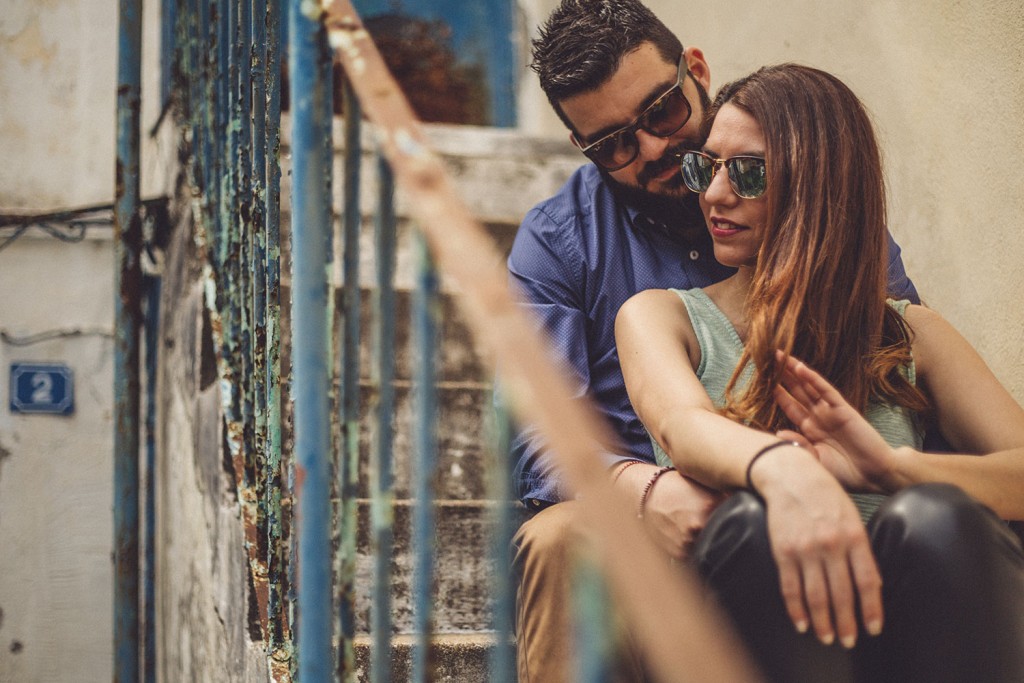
(720, 351)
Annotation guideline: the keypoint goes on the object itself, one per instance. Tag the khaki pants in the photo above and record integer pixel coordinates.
(547, 550)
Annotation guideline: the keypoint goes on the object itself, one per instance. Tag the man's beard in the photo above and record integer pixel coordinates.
(676, 207)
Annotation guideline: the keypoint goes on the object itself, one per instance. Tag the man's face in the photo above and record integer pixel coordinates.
(642, 77)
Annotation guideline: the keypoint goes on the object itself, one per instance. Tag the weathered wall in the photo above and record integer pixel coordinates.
(202, 584)
(944, 84)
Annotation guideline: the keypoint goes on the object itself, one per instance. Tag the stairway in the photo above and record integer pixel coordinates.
(501, 174)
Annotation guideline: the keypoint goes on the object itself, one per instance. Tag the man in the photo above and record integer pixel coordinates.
(632, 98)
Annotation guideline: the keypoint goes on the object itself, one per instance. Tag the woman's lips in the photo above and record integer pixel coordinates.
(725, 228)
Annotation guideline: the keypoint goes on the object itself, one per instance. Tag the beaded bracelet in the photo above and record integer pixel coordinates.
(769, 447)
(648, 487)
(623, 467)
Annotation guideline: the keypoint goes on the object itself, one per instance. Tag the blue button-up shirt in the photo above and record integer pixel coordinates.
(576, 259)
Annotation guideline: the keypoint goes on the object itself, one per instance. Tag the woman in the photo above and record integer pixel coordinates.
(799, 212)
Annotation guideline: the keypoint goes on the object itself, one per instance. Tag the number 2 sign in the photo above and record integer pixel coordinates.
(42, 388)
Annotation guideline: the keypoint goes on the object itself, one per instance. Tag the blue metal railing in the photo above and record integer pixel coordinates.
(227, 95)
(311, 225)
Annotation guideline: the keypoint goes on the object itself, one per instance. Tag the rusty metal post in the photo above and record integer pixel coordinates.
(502, 661)
(311, 221)
(127, 319)
(382, 477)
(277, 605)
(348, 472)
(426, 319)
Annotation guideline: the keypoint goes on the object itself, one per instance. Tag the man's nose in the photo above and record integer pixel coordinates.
(651, 146)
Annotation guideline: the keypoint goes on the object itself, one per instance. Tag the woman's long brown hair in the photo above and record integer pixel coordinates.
(819, 286)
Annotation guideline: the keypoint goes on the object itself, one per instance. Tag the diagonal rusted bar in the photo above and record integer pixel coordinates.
(683, 639)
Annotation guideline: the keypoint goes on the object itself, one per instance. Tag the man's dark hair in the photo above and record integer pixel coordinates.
(583, 42)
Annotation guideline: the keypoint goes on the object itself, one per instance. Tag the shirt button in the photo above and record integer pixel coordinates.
(694, 255)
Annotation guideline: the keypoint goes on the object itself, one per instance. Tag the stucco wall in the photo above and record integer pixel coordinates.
(58, 65)
(945, 86)
(55, 472)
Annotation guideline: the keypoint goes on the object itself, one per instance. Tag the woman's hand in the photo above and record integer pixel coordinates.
(826, 567)
(845, 443)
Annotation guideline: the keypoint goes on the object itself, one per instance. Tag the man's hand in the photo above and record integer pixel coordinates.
(676, 509)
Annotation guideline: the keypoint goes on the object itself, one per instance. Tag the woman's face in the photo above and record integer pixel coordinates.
(736, 224)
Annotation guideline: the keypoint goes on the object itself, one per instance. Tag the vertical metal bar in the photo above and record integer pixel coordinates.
(349, 470)
(191, 71)
(168, 35)
(228, 278)
(152, 325)
(310, 228)
(127, 317)
(264, 478)
(426, 315)
(280, 650)
(219, 182)
(258, 169)
(206, 60)
(502, 664)
(591, 610)
(241, 149)
(384, 371)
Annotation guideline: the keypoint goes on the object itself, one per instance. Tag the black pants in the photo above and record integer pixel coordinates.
(953, 592)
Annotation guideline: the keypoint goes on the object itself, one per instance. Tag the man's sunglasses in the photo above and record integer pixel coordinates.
(746, 174)
(665, 116)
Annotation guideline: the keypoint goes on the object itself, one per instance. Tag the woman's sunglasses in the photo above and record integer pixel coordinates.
(746, 174)
(662, 118)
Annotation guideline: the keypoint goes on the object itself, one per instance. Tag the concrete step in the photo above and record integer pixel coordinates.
(501, 233)
(463, 408)
(464, 400)
(499, 173)
(455, 658)
(462, 440)
(463, 568)
(458, 360)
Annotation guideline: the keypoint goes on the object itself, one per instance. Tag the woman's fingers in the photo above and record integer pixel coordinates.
(869, 587)
(840, 587)
(816, 593)
(791, 584)
(822, 591)
(793, 408)
(816, 387)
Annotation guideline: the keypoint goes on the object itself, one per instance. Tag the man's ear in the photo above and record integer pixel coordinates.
(698, 66)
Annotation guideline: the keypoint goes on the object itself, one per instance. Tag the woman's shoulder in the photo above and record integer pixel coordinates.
(918, 315)
(662, 306)
(933, 339)
(656, 313)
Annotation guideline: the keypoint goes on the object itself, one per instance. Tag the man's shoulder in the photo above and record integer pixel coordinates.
(575, 201)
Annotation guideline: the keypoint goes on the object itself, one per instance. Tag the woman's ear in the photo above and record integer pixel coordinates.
(698, 66)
